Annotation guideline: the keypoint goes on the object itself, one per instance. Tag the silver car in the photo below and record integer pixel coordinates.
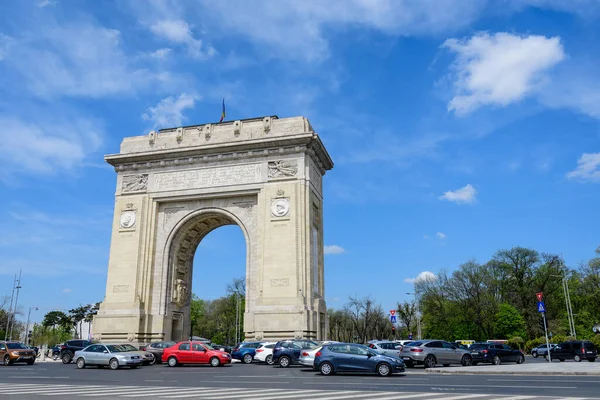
(307, 357)
(386, 347)
(432, 352)
(113, 356)
(542, 350)
(147, 357)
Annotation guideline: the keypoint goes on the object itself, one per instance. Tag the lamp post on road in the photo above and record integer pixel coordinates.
(27, 326)
(418, 314)
(567, 294)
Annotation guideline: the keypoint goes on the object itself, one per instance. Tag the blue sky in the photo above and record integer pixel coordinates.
(457, 128)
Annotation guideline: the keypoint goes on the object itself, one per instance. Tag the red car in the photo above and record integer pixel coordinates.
(194, 353)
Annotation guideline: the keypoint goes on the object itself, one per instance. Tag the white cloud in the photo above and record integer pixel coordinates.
(499, 69)
(169, 111)
(178, 31)
(45, 3)
(5, 44)
(46, 147)
(423, 276)
(67, 290)
(161, 54)
(333, 249)
(464, 195)
(588, 168)
(441, 235)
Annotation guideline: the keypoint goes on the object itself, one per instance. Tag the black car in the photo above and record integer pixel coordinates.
(221, 347)
(574, 349)
(288, 351)
(68, 349)
(495, 353)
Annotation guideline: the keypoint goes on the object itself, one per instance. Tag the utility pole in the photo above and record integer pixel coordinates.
(569, 307)
(27, 326)
(14, 311)
(12, 298)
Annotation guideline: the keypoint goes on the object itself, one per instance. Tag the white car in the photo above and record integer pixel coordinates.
(264, 353)
(307, 357)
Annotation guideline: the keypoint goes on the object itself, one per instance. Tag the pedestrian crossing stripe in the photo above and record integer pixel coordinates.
(183, 392)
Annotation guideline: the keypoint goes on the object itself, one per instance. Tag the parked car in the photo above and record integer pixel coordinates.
(194, 353)
(287, 352)
(102, 355)
(386, 347)
(221, 347)
(574, 349)
(495, 353)
(245, 351)
(157, 349)
(68, 349)
(542, 350)
(350, 357)
(432, 352)
(16, 352)
(307, 357)
(264, 353)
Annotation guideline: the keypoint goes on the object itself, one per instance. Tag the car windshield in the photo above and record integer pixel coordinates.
(208, 346)
(13, 346)
(477, 346)
(128, 347)
(312, 345)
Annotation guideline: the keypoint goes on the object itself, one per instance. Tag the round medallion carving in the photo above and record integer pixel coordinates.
(127, 219)
(280, 207)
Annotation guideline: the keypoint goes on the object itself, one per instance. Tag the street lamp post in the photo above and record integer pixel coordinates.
(418, 314)
(11, 316)
(567, 294)
(27, 326)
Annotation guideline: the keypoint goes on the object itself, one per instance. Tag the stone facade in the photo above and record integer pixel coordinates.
(177, 185)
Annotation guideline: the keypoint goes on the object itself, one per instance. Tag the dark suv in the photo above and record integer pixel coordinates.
(574, 349)
(68, 349)
(288, 351)
(495, 353)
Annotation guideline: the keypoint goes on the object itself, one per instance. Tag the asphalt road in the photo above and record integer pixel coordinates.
(257, 381)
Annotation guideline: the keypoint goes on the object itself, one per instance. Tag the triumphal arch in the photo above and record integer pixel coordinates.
(176, 185)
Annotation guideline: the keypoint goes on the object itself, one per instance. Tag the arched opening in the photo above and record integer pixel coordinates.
(183, 247)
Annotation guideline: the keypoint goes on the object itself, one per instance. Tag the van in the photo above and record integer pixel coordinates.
(576, 350)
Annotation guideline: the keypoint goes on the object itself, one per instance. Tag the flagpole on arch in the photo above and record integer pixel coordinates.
(222, 111)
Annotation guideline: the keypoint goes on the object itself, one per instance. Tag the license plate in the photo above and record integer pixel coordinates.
(406, 358)
(590, 352)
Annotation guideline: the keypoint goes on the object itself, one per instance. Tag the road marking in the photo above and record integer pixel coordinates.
(409, 396)
(211, 392)
(465, 396)
(229, 395)
(444, 385)
(154, 380)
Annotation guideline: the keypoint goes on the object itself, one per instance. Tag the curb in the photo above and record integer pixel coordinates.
(531, 373)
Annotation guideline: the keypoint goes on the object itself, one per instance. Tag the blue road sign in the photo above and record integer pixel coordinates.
(410, 337)
(393, 319)
(541, 306)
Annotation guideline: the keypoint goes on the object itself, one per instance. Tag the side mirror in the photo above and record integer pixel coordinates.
(105, 351)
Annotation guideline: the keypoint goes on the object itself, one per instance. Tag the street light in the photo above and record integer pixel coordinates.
(27, 326)
(418, 314)
(566, 291)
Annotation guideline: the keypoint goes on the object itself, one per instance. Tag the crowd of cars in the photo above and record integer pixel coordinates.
(383, 357)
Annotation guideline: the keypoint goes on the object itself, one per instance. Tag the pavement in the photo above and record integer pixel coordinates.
(262, 382)
(555, 368)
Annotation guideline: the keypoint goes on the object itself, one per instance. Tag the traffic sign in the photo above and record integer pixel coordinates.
(393, 319)
(392, 312)
(539, 296)
(410, 337)
(541, 306)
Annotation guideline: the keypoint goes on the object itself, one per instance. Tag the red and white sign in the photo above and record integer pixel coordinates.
(539, 296)
(392, 312)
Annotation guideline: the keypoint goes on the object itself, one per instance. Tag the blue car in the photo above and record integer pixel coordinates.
(245, 351)
(350, 357)
(287, 352)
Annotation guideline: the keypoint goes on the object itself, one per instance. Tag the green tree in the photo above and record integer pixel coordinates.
(509, 322)
(77, 315)
(56, 319)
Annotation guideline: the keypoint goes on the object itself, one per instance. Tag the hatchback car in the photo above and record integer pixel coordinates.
(194, 353)
(101, 355)
(350, 357)
(264, 353)
(495, 353)
(157, 349)
(432, 352)
(287, 352)
(386, 347)
(576, 350)
(245, 351)
(16, 352)
(307, 357)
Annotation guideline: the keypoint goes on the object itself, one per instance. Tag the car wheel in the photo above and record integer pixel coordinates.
(534, 354)
(153, 361)
(113, 363)
(7, 360)
(284, 362)
(384, 370)
(496, 360)
(172, 361)
(466, 360)
(326, 369)
(269, 359)
(247, 359)
(429, 361)
(577, 358)
(67, 358)
(591, 359)
(521, 360)
(80, 363)
(214, 362)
